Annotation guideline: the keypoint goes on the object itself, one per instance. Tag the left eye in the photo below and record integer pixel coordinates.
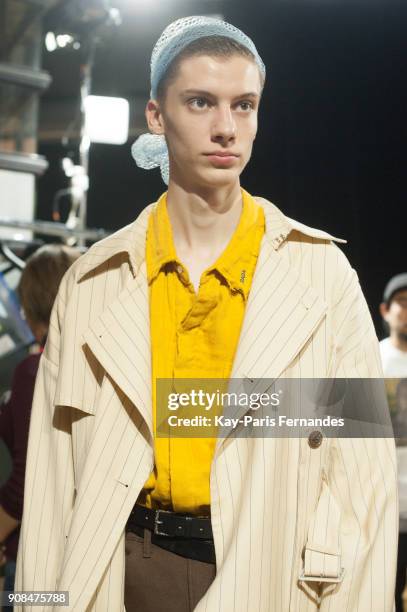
(248, 104)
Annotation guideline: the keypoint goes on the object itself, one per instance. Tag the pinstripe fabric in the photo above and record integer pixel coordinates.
(278, 506)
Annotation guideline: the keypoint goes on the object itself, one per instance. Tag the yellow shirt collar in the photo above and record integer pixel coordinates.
(160, 246)
(237, 262)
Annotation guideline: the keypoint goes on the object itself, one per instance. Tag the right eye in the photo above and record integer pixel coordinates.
(204, 100)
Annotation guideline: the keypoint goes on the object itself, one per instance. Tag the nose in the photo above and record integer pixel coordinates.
(224, 125)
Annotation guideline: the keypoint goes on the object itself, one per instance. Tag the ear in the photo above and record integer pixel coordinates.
(384, 310)
(154, 117)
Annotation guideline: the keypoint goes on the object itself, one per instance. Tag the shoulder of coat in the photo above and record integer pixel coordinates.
(275, 218)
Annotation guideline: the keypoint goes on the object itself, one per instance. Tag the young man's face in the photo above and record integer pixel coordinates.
(396, 313)
(211, 107)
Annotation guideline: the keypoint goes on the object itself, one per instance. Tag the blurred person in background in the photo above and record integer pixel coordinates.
(393, 351)
(393, 309)
(37, 289)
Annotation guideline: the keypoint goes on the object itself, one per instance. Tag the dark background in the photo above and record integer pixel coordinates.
(330, 149)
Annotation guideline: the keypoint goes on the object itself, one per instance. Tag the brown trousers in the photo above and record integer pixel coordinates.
(157, 580)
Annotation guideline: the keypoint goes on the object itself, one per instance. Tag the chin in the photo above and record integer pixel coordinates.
(219, 177)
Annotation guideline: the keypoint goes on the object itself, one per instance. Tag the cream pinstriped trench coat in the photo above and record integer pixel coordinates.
(279, 507)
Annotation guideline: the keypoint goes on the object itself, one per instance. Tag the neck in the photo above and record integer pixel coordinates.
(203, 220)
(399, 340)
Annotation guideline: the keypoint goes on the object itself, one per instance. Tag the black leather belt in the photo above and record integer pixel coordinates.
(185, 535)
(172, 524)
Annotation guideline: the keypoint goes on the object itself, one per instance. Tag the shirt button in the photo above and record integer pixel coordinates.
(315, 439)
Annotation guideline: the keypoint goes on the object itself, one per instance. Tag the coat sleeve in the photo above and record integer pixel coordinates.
(362, 472)
(49, 478)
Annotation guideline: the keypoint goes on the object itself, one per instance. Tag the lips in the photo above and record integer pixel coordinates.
(222, 158)
(222, 154)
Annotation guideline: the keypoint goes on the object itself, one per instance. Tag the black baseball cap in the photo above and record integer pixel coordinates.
(396, 283)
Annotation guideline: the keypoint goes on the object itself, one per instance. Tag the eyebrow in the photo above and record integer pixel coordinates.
(201, 92)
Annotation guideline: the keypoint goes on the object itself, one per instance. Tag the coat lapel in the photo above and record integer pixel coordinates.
(282, 312)
(120, 340)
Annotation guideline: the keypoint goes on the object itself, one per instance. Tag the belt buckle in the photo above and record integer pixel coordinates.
(157, 521)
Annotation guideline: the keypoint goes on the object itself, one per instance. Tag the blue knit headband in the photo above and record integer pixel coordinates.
(150, 150)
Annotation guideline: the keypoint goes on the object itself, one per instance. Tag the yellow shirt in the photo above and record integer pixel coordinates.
(194, 335)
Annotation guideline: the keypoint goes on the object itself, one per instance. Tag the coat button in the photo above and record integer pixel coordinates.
(315, 439)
